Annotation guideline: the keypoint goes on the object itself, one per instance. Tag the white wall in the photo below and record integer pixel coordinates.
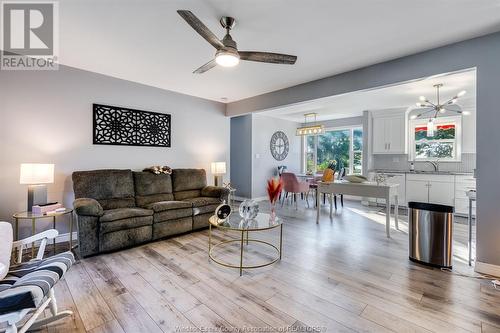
(46, 117)
(263, 167)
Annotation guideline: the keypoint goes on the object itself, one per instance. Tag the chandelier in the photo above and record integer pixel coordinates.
(434, 109)
(312, 128)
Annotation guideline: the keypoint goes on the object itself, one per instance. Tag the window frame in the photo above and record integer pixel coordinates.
(315, 149)
(455, 120)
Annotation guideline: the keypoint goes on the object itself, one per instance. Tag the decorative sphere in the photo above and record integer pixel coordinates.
(249, 209)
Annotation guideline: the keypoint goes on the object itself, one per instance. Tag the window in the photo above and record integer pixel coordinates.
(343, 145)
(444, 145)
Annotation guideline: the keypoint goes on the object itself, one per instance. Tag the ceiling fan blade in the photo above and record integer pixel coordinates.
(206, 67)
(273, 58)
(200, 28)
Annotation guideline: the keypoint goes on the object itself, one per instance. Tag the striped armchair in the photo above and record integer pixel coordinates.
(27, 288)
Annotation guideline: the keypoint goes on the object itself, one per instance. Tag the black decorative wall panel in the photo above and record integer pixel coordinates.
(115, 125)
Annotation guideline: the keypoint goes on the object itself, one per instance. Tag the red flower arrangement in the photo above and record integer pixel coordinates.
(274, 186)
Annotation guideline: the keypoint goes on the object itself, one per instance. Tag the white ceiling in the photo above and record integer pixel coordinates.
(402, 96)
(146, 41)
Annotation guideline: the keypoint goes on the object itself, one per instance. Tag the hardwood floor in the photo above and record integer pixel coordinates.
(342, 275)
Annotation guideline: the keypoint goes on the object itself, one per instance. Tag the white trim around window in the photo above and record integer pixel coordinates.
(457, 142)
(315, 153)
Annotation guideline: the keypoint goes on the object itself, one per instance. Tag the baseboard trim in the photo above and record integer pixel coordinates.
(484, 268)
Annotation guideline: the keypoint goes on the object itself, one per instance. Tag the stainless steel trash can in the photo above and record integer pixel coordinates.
(430, 228)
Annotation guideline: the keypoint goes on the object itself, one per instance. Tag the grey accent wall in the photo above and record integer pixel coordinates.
(241, 155)
(46, 117)
(264, 166)
(482, 53)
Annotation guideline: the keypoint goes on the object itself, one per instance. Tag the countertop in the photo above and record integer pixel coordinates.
(420, 172)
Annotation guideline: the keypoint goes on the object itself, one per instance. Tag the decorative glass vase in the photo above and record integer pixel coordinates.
(273, 209)
(249, 209)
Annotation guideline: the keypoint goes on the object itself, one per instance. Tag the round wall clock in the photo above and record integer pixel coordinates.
(279, 145)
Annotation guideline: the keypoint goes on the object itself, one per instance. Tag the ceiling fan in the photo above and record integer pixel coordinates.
(227, 54)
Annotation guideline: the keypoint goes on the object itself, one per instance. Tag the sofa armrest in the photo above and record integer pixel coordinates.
(88, 207)
(215, 192)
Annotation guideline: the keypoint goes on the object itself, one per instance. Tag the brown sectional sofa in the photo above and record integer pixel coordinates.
(121, 208)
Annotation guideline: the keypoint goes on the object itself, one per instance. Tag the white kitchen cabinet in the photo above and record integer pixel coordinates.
(417, 190)
(379, 140)
(442, 193)
(389, 134)
(436, 189)
(397, 137)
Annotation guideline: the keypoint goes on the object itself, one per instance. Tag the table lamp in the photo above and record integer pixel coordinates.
(218, 169)
(36, 175)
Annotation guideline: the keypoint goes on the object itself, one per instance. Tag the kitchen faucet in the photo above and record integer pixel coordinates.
(435, 165)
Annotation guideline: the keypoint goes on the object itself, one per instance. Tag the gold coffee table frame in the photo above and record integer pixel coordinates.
(242, 240)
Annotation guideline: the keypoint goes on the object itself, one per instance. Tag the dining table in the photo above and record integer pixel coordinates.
(365, 189)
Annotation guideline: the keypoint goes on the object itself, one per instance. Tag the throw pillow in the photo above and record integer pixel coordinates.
(157, 169)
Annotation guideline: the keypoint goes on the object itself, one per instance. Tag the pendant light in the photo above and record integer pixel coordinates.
(437, 108)
(430, 127)
(312, 128)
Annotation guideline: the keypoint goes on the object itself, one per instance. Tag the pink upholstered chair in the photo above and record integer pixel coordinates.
(292, 185)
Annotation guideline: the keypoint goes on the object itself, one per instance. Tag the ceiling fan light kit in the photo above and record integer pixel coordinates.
(227, 54)
(437, 108)
(226, 58)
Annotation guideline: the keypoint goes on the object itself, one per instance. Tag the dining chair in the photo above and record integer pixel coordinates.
(314, 185)
(292, 185)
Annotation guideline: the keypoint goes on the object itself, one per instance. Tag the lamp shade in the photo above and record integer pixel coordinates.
(218, 168)
(36, 173)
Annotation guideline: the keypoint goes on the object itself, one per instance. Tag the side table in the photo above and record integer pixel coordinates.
(34, 217)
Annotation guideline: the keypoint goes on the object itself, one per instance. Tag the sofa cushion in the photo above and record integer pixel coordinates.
(172, 214)
(188, 179)
(187, 194)
(111, 188)
(125, 224)
(124, 213)
(203, 201)
(150, 188)
(215, 191)
(168, 205)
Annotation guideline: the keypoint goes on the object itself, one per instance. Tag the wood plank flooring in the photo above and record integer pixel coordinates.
(342, 275)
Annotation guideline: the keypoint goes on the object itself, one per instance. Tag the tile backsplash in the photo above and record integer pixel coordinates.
(400, 163)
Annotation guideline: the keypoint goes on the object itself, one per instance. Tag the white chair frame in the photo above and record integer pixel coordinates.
(50, 300)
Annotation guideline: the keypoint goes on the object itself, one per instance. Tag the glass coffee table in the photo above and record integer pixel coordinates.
(263, 222)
